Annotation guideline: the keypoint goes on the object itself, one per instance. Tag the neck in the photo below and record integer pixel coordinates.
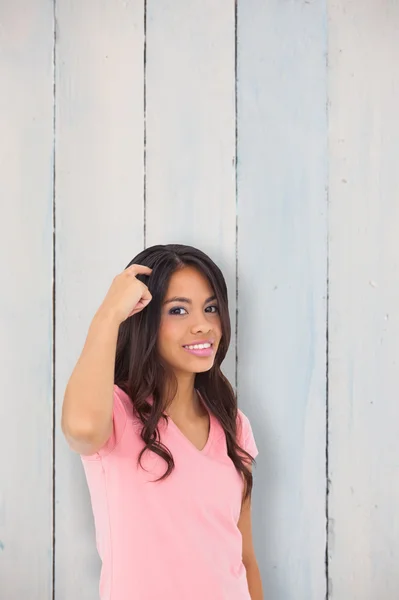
(185, 402)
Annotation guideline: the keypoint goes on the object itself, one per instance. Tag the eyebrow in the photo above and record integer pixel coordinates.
(187, 300)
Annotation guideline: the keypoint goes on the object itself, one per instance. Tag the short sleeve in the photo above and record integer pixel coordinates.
(245, 434)
(119, 418)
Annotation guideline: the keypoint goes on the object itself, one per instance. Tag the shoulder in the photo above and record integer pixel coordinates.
(242, 422)
(245, 436)
(121, 397)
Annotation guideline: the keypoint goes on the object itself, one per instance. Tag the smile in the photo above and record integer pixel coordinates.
(198, 346)
(205, 349)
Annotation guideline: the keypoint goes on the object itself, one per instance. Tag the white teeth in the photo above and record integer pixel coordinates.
(198, 346)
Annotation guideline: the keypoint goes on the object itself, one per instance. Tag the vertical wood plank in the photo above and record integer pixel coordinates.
(364, 291)
(99, 209)
(190, 163)
(26, 405)
(282, 257)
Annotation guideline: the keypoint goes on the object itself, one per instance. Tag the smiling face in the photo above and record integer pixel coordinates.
(189, 317)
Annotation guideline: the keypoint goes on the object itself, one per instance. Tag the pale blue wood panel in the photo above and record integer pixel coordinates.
(191, 133)
(26, 404)
(282, 258)
(364, 299)
(99, 208)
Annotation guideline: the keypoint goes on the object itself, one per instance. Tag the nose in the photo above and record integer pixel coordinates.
(201, 325)
(201, 328)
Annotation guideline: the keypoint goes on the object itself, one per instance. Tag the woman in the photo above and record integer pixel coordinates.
(166, 452)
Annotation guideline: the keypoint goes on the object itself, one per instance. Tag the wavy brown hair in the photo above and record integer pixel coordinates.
(140, 372)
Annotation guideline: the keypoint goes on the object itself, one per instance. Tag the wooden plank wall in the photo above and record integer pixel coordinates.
(99, 214)
(26, 315)
(266, 134)
(282, 239)
(364, 300)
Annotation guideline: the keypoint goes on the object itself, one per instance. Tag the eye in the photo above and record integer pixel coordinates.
(215, 307)
(172, 311)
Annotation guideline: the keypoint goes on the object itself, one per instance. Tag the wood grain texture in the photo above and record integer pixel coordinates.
(282, 258)
(364, 294)
(26, 403)
(308, 130)
(190, 163)
(99, 207)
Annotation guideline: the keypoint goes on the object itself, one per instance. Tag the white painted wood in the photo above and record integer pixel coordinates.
(191, 133)
(288, 153)
(26, 403)
(99, 204)
(364, 289)
(282, 253)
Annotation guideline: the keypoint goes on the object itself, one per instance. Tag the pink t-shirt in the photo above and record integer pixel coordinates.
(176, 539)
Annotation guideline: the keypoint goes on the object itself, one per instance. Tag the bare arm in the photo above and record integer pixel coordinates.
(248, 551)
(88, 400)
(254, 581)
(87, 406)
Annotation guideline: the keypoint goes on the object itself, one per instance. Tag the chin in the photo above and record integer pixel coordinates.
(204, 369)
(200, 367)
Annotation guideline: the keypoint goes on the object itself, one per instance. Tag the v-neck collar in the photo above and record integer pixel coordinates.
(183, 436)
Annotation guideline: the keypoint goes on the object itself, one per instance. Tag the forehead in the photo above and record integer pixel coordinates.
(188, 281)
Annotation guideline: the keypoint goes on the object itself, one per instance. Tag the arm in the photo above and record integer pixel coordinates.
(254, 581)
(87, 411)
(248, 552)
(88, 398)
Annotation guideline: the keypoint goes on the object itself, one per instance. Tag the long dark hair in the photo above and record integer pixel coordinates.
(141, 373)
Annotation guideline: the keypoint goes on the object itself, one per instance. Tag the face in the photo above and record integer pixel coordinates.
(190, 316)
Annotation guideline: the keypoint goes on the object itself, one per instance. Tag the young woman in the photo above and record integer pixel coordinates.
(166, 452)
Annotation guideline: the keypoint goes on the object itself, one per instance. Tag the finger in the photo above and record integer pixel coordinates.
(146, 296)
(143, 302)
(139, 270)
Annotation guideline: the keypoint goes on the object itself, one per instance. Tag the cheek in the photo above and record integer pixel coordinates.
(169, 333)
(169, 341)
(217, 327)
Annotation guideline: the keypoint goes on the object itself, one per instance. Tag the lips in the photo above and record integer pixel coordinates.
(200, 351)
(197, 342)
(204, 352)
